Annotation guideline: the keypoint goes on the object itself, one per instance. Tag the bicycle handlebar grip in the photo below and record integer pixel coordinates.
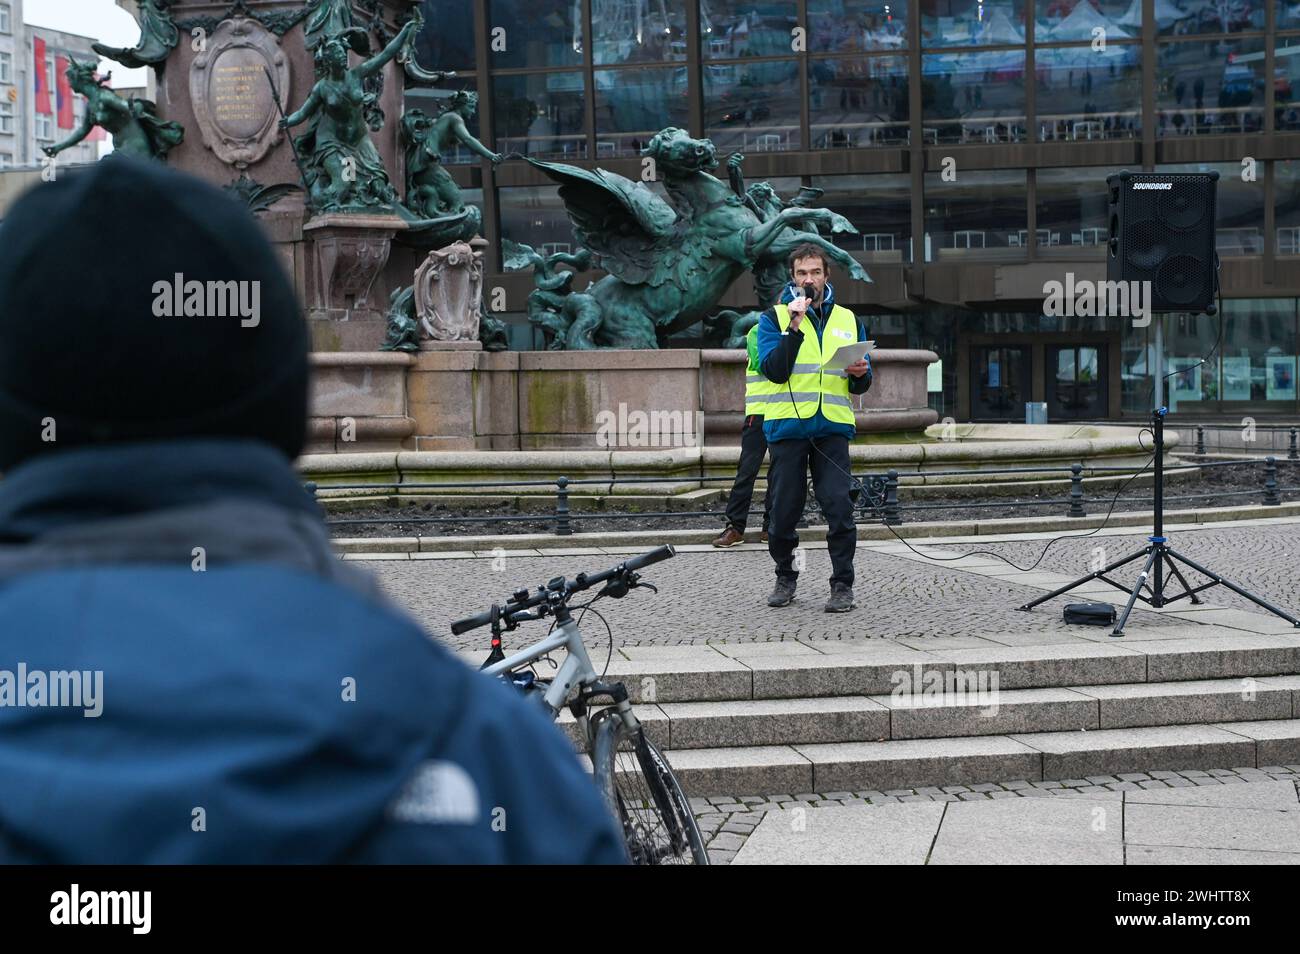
(654, 556)
(471, 622)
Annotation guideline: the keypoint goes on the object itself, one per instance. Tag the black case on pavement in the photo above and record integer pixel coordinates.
(1090, 614)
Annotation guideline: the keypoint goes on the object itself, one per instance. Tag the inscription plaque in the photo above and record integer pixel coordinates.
(231, 94)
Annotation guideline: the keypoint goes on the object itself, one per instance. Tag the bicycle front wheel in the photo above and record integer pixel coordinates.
(644, 795)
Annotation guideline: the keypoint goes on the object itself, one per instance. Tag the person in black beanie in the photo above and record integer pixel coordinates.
(188, 673)
(84, 357)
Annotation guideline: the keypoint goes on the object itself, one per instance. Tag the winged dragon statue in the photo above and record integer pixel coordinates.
(669, 261)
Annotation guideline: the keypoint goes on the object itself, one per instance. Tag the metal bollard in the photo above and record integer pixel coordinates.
(562, 527)
(1076, 491)
(892, 515)
(1200, 439)
(1271, 496)
(1294, 452)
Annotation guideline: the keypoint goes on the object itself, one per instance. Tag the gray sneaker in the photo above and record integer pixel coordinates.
(783, 593)
(841, 600)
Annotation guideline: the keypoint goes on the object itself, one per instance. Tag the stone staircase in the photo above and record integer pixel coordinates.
(792, 717)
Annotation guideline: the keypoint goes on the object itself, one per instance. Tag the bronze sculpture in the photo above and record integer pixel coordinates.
(134, 124)
(343, 169)
(158, 37)
(670, 261)
(328, 18)
(553, 305)
(432, 196)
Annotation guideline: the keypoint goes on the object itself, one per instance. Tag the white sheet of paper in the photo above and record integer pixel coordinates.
(847, 354)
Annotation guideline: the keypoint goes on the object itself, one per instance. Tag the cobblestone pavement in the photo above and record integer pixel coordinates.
(727, 822)
(713, 596)
(1265, 560)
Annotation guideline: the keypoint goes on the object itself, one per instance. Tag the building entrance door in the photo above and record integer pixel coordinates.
(999, 382)
(1076, 387)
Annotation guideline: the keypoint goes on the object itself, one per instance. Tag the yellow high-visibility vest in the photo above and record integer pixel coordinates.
(810, 388)
(759, 390)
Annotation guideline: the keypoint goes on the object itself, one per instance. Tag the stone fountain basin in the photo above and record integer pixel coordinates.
(919, 458)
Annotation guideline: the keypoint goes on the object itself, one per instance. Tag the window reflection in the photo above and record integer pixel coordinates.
(1073, 211)
(880, 208)
(638, 31)
(977, 216)
(530, 33)
(860, 101)
(976, 96)
(1065, 21)
(851, 26)
(1209, 87)
(735, 28)
(1259, 351)
(973, 23)
(1287, 14)
(1286, 83)
(535, 216)
(1089, 94)
(633, 105)
(1184, 17)
(540, 115)
(1286, 206)
(752, 107)
(447, 40)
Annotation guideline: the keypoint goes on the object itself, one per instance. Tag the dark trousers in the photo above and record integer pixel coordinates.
(753, 448)
(787, 488)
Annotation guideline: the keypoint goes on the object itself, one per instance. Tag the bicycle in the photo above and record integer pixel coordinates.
(632, 774)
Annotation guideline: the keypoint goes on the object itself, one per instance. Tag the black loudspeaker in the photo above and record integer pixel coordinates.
(1162, 231)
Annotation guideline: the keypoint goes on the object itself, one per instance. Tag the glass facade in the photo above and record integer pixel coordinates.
(1073, 211)
(979, 215)
(879, 207)
(1210, 87)
(858, 101)
(1085, 94)
(958, 137)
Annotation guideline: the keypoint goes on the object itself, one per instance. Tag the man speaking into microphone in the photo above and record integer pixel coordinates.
(810, 421)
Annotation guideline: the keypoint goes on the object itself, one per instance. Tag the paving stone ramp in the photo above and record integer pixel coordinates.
(791, 717)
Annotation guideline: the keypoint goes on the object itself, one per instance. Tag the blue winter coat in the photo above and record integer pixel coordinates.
(224, 731)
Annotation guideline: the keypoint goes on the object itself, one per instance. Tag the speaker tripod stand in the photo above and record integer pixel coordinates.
(1159, 557)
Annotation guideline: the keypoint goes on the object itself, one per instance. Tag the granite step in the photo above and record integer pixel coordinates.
(1035, 756)
(796, 670)
(963, 712)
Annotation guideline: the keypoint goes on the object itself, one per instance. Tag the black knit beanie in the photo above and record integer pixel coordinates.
(93, 346)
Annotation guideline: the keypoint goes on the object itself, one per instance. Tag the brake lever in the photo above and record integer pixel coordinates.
(638, 585)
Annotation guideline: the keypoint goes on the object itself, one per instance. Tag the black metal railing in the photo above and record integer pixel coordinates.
(880, 502)
(1292, 432)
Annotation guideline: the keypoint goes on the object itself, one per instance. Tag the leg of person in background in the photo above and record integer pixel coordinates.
(753, 446)
(787, 485)
(767, 503)
(831, 484)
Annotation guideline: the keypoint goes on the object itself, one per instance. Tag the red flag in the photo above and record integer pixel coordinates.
(64, 92)
(42, 78)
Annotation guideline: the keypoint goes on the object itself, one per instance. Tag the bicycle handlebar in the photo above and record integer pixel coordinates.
(567, 587)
